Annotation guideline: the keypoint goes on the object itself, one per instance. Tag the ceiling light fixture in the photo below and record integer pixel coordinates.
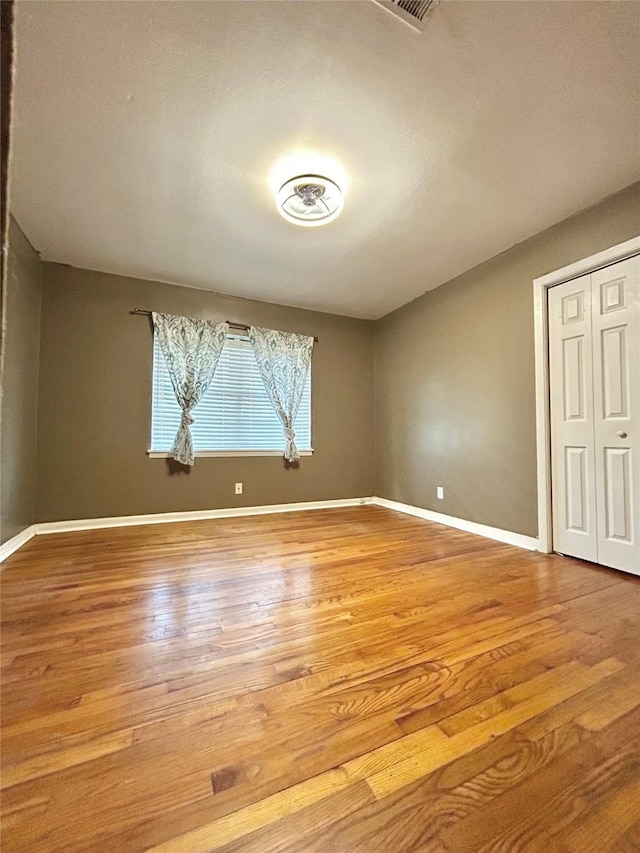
(310, 200)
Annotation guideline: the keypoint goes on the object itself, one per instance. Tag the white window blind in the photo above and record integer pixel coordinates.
(234, 414)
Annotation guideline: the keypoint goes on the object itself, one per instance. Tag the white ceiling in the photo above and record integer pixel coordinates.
(146, 132)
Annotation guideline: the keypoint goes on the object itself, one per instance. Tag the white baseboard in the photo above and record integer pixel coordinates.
(194, 515)
(506, 536)
(11, 545)
(46, 527)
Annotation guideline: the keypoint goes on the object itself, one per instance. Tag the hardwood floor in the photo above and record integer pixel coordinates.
(319, 682)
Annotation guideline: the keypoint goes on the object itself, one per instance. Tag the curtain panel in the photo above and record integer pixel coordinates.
(283, 360)
(191, 350)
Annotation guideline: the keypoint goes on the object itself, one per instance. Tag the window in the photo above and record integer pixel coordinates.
(235, 414)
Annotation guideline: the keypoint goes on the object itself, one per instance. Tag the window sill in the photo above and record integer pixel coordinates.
(160, 454)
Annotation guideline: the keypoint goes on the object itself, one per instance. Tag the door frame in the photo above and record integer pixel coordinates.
(541, 341)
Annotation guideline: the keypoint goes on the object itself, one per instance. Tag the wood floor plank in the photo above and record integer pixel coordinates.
(413, 817)
(297, 831)
(607, 823)
(623, 696)
(544, 808)
(351, 677)
(550, 688)
(629, 842)
(260, 814)
(599, 705)
(54, 761)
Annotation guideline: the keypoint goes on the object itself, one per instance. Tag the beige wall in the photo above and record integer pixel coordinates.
(454, 377)
(95, 398)
(19, 385)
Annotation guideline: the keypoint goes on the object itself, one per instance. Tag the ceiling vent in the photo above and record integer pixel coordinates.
(412, 12)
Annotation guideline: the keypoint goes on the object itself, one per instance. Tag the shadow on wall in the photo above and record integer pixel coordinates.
(175, 467)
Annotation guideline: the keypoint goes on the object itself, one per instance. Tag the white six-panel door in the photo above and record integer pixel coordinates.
(594, 367)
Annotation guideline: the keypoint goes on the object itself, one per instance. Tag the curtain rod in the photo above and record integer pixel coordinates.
(230, 323)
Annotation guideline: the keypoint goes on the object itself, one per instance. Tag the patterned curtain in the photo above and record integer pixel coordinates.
(283, 361)
(191, 350)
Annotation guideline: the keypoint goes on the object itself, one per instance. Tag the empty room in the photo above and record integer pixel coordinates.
(320, 426)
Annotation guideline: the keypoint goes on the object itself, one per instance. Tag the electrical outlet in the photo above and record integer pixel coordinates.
(238, 488)
(440, 493)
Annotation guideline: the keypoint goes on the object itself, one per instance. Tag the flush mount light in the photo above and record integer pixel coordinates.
(310, 200)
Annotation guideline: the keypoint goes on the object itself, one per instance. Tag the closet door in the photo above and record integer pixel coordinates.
(572, 434)
(615, 298)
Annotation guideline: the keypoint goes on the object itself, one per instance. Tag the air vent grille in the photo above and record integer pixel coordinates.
(412, 12)
(416, 8)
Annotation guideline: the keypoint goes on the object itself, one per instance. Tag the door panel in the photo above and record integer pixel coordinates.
(615, 373)
(576, 489)
(617, 504)
(573, 374)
